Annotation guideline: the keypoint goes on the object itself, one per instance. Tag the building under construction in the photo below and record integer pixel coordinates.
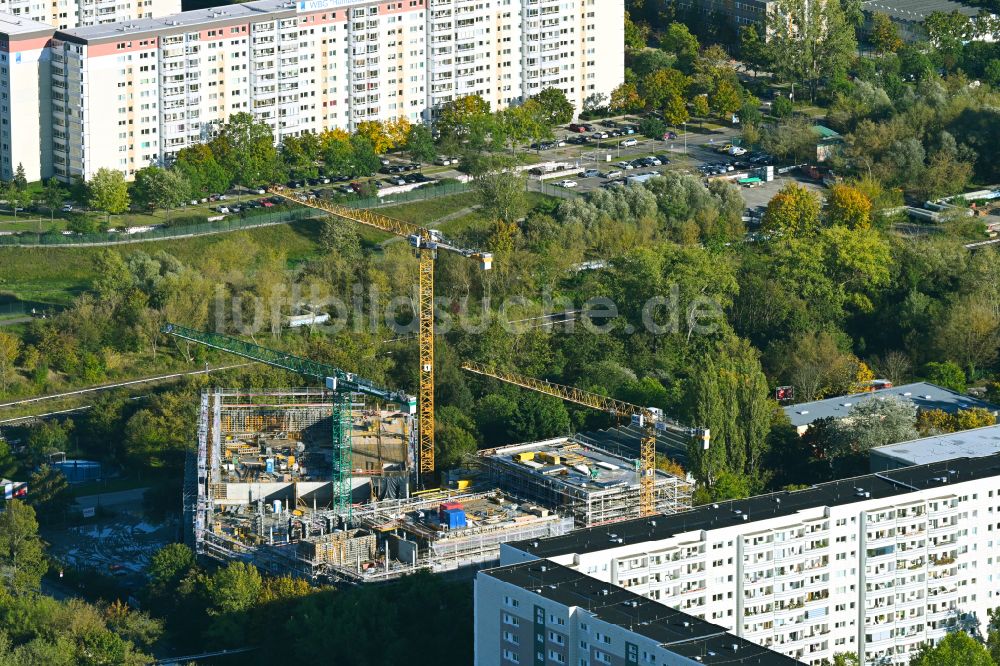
(260, 489)
(570, 476)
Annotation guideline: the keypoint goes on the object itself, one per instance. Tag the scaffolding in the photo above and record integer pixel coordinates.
(569, 482)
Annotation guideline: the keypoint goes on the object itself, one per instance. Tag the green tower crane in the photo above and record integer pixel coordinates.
(343, 384)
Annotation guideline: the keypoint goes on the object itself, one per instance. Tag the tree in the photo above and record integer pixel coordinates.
(700, 107)
(885, 34)
(658, 86)
(376, 133)
(10, 349)
(245, 148)
(556, 108)
(49, 491)
(652, 127)
(158, 188)
(8, 463)
(753, 50)
(53, 196)
(625, 98)
(453, 441)
(108, 192)
(202, 170)
(848, 206)
(970, 333)
(457, 118)
(47, 437)
(17, 198)
(501, 191)
(728, 394)
(727, 98)
(134, 626)
(398, 129)
(170, 564)
(337, 152)
(871, 423)
(814, 364)
(22, 557)
(955, 648)
(234, 588)
(679, 41)
(636, 34)
(946, 374)
(420, 144)
(538, 417)
(675, 110)
(300, 155)
(793, 210)
(364, 160)
(811, 41)
(20, 179)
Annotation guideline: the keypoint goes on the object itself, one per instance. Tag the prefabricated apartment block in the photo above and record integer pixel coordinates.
(547, 614)
(877, 564)
(133, 93)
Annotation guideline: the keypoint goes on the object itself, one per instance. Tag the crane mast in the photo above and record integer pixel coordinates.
(648, 418)
(343, 385)
(426, 243)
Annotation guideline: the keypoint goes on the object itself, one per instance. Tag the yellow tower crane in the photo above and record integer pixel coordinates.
(650, 419)
(426, 243)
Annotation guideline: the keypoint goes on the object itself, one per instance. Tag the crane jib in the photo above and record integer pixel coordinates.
(343, 380)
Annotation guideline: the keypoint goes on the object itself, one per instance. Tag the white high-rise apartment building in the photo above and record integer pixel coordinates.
(127, 95)
(64, 14)
(877, 565)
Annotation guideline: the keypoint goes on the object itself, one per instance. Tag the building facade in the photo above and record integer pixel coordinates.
(876, 565)
(65, 14)
(24, 100)
(127, 95)
(545, 614)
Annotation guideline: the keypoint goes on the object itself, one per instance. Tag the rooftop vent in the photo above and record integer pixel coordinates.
(543, 568)
(804, 412)
(736, 647)
(845, 404)
(715, 506)
(926, 397)
(907, 394)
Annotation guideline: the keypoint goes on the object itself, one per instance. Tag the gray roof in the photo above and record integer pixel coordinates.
(976, 443)
(184, 22)
(916, 10)
(675, 630)
(889, 484)
(18, 26)
(923, 394)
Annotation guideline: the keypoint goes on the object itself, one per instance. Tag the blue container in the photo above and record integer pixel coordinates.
(454, 518)
(269, 465)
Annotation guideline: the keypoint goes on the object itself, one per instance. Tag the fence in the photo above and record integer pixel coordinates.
(258, 218)
(13, 308)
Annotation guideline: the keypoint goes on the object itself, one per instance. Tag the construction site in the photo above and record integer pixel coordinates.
(573, 477)
(261, 488)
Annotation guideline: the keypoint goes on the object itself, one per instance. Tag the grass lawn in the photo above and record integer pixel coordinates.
(58, 274)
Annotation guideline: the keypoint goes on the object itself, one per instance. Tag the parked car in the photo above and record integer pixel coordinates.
(737, 151)
(577, 128)
(669, 136)
(613, 175)
(600, 135)
(628, 143)
(626, 165)
(567, 183)
(590, 173)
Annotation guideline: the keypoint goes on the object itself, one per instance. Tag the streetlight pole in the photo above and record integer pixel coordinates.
(685, 138)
